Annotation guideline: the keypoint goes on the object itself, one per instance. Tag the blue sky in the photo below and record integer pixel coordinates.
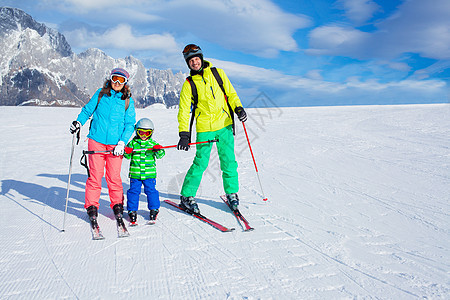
(296, 53)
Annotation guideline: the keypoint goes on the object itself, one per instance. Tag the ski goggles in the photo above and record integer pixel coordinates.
(144, 132)
(191, 48)
(118, 79)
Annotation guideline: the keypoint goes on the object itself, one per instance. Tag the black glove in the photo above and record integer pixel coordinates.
(183, 144)
(75, 127)
(240, 112)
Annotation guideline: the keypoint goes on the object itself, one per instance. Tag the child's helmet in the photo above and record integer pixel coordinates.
(144, 124)
(144, 128)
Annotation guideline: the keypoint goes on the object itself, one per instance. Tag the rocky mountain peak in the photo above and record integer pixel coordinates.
(38, 67)
(13, 19)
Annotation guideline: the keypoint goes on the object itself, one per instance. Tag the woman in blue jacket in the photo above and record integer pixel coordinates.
(113, 119)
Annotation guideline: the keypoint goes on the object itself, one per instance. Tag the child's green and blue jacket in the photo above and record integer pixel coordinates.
(143, 163)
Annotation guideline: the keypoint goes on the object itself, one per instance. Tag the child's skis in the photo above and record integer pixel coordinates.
(238, 215)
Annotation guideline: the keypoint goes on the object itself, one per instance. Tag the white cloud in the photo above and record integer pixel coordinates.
(253, 26)
(121, 37)
(336, 40)
(431, 70)
(358, 11)
(274, 79)
(86, 6)
(256, 26)
(314, 74)
(399, 66)
(421, 27)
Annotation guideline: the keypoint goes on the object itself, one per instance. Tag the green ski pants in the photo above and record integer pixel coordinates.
(228, 164)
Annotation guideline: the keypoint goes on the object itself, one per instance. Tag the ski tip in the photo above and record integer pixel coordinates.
(250, 229)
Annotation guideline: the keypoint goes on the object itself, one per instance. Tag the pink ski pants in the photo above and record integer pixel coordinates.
(97, 164)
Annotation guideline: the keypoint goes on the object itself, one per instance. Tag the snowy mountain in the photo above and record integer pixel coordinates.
(38, 67)
(359, 208)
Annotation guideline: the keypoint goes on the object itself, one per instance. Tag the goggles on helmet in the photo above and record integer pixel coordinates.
(144, 132)
(118, 79)
(191, 48)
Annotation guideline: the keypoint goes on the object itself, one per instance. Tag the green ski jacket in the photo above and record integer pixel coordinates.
(143, 163)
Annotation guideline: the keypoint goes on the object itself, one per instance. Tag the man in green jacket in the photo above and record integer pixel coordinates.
(213, 114)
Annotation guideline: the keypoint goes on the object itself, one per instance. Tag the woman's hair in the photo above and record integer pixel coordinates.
(106, 90)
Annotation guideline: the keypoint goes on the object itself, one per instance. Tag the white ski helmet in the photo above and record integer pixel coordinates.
(144, 124)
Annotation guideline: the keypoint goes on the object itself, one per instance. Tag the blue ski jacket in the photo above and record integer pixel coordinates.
(110, 122)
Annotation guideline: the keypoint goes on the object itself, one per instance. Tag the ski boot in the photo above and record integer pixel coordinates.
(133, 217)
(93, 214)
(121, 228)
(95, 229)
(189, 204)
(233, 201)
(118, 211)
(153, 215)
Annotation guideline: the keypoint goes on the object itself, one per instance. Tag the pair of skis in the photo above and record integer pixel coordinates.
(149, 222)
(122, 230)
(244, 223)
(97, 234)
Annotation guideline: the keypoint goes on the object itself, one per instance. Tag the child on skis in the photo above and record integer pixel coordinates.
(143, 170)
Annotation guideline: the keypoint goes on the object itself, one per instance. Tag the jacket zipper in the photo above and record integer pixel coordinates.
(212, 92)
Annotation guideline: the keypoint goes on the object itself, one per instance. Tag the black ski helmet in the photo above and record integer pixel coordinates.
(191, 51)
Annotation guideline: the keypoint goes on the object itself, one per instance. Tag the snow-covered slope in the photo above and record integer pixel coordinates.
(358, 208)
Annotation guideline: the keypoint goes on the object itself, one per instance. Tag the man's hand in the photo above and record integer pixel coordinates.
(240, 112)
(183, 144)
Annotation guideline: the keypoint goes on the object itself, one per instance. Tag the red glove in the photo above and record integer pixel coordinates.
(128, 150)
(157, 148)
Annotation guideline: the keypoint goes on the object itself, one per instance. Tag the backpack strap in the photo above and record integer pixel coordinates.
(220, 82)
(100, 95)
(194, 103)
(195, 98)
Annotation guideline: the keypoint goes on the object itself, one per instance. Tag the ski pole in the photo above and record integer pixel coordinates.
(254, 162)
(68, 181)
(94, 152)
(83, 159)
(129, 150)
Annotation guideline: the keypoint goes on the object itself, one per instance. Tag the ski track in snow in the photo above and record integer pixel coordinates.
(358, 208)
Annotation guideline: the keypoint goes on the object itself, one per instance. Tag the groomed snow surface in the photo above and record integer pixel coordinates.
(358, 208)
